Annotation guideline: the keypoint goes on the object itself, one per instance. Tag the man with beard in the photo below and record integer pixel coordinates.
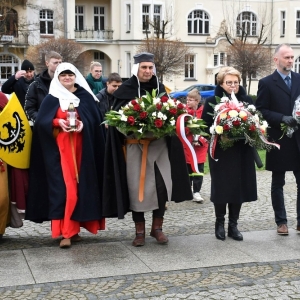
(39, 89)
(275, 99)
(20, 82)
(166, 175)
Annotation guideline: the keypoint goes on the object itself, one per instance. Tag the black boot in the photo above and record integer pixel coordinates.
(220, 230)
(220, 212)
(234, 213)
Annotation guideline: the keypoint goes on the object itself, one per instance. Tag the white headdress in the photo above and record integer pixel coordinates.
(59, 91)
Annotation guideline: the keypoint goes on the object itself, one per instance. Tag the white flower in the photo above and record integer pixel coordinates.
(154, 114)
(233, 113)
(123, 118)
(212, 129)
(156, 100)
(140, 130)
(219, 129)
(217, 107)
(142, 104)
(171, 102)
(251, 107)
(172, 122)
(256, 117)
(224, 99)
(161, 116)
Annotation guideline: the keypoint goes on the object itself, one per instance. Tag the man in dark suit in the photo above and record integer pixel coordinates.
(275, 99)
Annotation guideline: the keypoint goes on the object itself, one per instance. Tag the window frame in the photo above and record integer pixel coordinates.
(190, 67)
(79, 24)
(128, 17)
(297, 23)
(202, 23)
(251, 23)
(144, 17)
(282, 23)
(297, 65)
(46, 21)
(99, 24)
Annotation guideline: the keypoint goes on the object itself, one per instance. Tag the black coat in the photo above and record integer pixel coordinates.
(36, 93)
(115, 197)
(275, 100)
(47, 191)
(233, 176)
(19, 86)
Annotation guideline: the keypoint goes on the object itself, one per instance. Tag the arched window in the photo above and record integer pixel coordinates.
(297, 65)
(9, 23)
(246, 23)
(198, 22)
(46, 21)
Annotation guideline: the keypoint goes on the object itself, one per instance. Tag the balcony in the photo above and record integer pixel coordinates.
(94, 35)
(19, 41)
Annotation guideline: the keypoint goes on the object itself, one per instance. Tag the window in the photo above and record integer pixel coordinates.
(297, 65)
(222, 58)
(219, 59)
(46, 21)
(79, 17)
(298, 23)
(98, 55)
(282, 23)
(128, 63)
(198, 22)
(157, 16)
(215, 59)
(9, 26)
(99, 18)
(128, 17)
(247, 23)
(189, 66)
(8, 66)
(146, 17)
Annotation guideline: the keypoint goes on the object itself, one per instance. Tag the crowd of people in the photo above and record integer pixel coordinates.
(82, 172)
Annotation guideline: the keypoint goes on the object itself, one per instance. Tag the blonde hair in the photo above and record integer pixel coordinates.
(194, 93)
(94, 64)
(227, 71)
(52, 54)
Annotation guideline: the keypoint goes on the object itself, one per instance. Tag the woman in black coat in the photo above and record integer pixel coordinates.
(233, 176)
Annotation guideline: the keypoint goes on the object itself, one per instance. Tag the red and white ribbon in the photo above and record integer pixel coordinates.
(180, 130)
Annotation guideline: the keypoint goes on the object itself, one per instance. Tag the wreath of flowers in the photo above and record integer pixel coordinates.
(235, 120)
(151, 113)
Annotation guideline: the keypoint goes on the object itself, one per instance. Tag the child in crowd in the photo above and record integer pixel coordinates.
(195, 108)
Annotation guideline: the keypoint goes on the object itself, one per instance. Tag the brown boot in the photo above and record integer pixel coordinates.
(139, 234)
(156, 231)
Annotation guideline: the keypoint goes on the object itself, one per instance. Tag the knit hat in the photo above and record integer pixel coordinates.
(143, 57)
(3, 100)
(27, 65)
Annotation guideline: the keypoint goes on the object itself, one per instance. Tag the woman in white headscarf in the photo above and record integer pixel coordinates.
(71, 165)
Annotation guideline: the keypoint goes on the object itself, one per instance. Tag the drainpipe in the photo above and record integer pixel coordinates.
(65, 19)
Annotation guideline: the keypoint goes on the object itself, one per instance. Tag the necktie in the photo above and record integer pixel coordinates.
(288, 81)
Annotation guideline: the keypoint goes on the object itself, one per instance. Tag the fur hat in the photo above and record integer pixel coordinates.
(3, 100)
(143, 57)
(27, 65)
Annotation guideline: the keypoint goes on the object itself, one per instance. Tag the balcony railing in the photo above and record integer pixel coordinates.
(96, 35)
(21, 40)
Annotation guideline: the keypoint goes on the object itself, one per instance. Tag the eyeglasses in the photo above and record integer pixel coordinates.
(229, 83)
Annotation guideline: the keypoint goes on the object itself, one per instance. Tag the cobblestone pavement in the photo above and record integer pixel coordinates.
(270, 280)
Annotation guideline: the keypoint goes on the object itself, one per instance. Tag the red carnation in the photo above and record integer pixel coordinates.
(236, 123)
(158, 123)
(137, 107)
(180, 106)
(164, 99)
(173, 111)
(226, 127)
(143, 115)
(158, 106)
(252, 127)
(130, 120)
(133, 102)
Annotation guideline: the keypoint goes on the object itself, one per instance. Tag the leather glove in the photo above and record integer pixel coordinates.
(289, 120)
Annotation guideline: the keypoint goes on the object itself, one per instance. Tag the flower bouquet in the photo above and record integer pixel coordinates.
(235, 120)
(296, 115)
(155, 114)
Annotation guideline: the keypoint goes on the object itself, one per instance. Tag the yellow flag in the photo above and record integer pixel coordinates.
(15, 135)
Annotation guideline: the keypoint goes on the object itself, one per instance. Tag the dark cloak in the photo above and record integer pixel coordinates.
(115, 190)
(47, 191)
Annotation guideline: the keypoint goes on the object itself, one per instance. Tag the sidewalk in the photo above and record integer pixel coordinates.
(194, 265)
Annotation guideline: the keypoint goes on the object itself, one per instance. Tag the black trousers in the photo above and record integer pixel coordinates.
(196, 181)
(278, 181)
(162, 196)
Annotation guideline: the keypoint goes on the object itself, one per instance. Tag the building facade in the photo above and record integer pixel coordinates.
(111, 30)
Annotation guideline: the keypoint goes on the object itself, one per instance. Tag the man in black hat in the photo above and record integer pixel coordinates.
(20, 82)
(166, 171)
